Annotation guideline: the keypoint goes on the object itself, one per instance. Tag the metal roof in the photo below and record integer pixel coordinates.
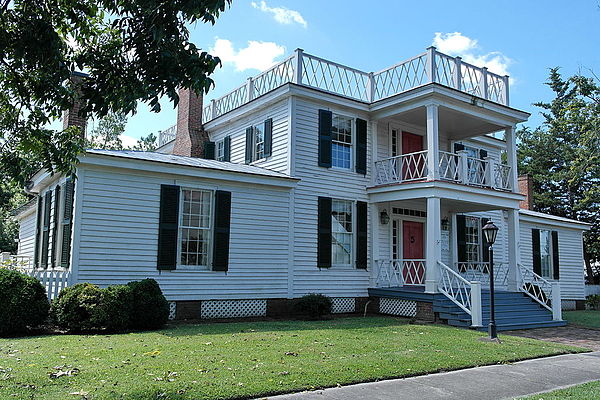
(552, 217)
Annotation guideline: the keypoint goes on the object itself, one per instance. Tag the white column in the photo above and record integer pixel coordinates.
(476, 309)
(297, 78)
(556, 302)
(433, 142)
(433, 244)
(374, 151)
(514, 244)
(375, 227)
(511, 155)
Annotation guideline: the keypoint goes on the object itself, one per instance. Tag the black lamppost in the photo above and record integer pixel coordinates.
(490, 232)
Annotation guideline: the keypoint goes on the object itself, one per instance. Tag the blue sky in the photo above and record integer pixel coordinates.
(524, 38)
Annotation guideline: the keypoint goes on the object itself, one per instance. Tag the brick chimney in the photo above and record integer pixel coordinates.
(190, 136)
(72, 116)
(526, 189)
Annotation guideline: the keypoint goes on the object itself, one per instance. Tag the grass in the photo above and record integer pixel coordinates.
(586, 391)
(249, 359)
(585, 318)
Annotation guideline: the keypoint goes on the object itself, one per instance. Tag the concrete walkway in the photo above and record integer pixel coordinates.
(492, 382)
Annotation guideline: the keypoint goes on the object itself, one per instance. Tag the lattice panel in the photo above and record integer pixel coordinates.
(333, 77)
(343, 305)
(233, 308)
(401, 77)
(172, 310)
(569, 305)
(402, 308)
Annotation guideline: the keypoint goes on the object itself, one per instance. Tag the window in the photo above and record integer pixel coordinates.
(341, 232)
(473, 242)
(258, 142)
(195, 227)
(546, 253)
(341, 144)
(221, 150)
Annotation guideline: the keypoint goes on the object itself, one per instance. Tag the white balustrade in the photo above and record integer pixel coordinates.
(397, 273)
(448, 166)
(403, 168)
(502, 177)
(541, 290)
(480, 271)
(167, 136)
(465, 294)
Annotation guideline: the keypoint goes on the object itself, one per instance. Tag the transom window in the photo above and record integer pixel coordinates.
(341, 145)
(221, 150)
(258, 142)
(195, 227)
(341, 232)
(546, 253)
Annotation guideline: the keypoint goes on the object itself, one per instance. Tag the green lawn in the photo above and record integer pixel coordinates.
(228, 360)
(587, 318)
(587, 391)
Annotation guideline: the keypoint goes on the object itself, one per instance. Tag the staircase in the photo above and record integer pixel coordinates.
(514, 310)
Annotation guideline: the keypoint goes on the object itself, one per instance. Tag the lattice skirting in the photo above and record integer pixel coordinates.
(569, 305)
(341, 305)
(233, 308)
(403, 308)
(172, 310)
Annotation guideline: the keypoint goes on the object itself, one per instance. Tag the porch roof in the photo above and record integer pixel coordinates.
(553, 219)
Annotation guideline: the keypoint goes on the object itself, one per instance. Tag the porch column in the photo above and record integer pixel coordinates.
(433, 244)
(432, 142)
(374, 211)
(511, 154)
(514, 246)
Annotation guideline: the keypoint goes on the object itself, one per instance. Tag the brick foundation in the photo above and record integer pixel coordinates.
(425, 312)
(187, 310)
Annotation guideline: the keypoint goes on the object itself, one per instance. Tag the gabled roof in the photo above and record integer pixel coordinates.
(190, 162)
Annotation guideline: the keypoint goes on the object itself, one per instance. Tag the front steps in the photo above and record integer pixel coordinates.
(514, 310)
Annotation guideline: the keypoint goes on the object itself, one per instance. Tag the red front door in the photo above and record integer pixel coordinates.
(412, 167)
(413, 271)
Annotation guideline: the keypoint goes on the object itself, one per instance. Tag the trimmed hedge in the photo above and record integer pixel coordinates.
(87, 308)
(23, 302)
(313, 306)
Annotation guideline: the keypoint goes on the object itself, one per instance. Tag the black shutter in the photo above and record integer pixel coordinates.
(209, 150)
(458, 147)
(249, 132)
(268, 137)
(324, 233)
(555, 255)
(38, 231)
(483, 154)
(485, 246)
(361, 235)
(537, 256)
(361, 146)
(168, 227)
(67, 224)
(222, 230)
(461, 238)
(227, 148)
(46, 229)
(56, 223)
(325, 121)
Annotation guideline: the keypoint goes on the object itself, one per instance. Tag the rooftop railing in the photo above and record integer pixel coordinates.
(307, 70)
(167, 136)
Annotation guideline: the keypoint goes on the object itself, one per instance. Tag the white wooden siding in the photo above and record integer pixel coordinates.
(570, 251)
(237, 130)
(119, 237)
(27, 235)
(330, 182)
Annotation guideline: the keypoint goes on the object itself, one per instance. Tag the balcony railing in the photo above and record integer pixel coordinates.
(397, 273)
(167, 136)
(454, 167)
(312, 71)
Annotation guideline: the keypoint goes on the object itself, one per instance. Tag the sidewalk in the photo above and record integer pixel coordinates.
(492, 382)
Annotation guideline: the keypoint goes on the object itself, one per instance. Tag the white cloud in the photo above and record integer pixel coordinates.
(128, 141)
(257, 55)
(281, 14)
(457, 44)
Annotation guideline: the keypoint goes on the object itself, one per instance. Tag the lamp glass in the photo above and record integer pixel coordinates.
(490, 231)
(384, 217)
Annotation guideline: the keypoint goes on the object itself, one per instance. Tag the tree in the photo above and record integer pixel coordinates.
(563, 156)
(133, 51)
(146, 143)
(107, 135)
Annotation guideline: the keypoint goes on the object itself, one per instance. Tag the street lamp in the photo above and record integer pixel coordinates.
(490, 232)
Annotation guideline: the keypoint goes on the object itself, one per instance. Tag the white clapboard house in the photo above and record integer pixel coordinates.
(314, 177)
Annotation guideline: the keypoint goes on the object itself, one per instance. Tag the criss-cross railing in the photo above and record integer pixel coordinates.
(167, 136)
(480, 271)
(465, 294)
(397, 273)
(502, 176)
(312, 71)
(449, 166)
(402, 168)
(535, 286)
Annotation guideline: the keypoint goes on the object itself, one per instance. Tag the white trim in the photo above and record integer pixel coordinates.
(552, 220)
(77, 217)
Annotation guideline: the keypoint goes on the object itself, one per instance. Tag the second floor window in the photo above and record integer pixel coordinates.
(341, 144)
(258, 142)
(221, 150)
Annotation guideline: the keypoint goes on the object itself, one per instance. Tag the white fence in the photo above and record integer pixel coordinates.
(312, 71)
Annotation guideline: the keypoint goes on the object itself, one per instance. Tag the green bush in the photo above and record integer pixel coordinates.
(593, 301)
(23, 302)
(313, 306)
(116, 308)
(79, 308)
(150, 308)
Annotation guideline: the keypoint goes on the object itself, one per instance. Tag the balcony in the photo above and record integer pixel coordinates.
(452, 167)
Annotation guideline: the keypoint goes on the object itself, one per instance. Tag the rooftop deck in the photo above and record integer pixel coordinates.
(311, 71)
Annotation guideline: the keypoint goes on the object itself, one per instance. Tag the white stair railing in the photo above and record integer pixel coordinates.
(402, 168)
(541, 290)
(480, 271)
(465, 294)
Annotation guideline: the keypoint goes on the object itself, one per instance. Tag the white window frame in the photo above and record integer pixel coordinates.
(549, 274)
(258, 127)
(351, 145)
(220, 150)
(180, 265)
(352, 235)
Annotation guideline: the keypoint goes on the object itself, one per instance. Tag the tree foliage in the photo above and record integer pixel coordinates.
(563, 155)
(133, 51)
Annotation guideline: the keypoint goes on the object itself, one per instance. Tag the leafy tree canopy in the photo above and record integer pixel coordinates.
(133, 51)
(563, 155)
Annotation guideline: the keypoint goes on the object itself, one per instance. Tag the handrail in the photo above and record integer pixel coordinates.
(167, 136)
(455, 287)
(400, 272)
(402, 168)
(535, 286)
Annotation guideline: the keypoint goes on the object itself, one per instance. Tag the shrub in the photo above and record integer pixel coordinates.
(313, 306)
(116, 308)
(78, 308)
(150, 308)
(23, 302)
(593, 301)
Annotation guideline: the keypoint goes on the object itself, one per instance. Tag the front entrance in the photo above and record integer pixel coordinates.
(409, 243)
